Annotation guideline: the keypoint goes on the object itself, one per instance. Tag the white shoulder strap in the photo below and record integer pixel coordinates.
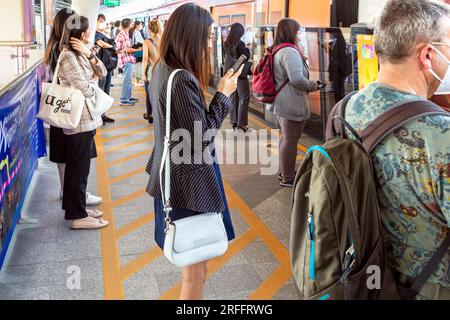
(165, 162)
(56, 72)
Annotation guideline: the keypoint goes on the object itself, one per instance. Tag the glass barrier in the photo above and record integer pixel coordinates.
(330, 59)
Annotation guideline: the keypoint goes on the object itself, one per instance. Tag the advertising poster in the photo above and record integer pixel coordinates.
(367, 60)
(22, 142)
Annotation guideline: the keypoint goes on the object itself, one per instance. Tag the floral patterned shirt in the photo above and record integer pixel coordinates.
(412, 166)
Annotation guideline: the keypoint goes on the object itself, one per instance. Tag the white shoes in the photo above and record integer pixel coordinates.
(91, 200)
(140, 83)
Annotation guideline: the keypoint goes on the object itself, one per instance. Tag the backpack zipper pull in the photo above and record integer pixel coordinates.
(310, 227)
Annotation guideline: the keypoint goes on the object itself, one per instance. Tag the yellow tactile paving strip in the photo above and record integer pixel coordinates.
(114, 273)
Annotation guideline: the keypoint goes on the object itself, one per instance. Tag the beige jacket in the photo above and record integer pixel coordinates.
(77, 72)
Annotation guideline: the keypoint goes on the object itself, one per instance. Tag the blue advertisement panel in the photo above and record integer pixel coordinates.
(22, 142)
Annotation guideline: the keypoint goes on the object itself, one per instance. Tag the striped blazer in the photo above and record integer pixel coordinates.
(194, 184)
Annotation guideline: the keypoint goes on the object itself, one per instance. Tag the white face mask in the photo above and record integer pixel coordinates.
(444, 88)
(102, 26)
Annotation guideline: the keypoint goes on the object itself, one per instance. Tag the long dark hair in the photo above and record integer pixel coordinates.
(184, 44)
(237, 31)
(286, 32)
(134, 28)
(74, 27)
(56, 33)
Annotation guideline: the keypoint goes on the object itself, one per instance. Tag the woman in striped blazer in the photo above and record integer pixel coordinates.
(196, 183)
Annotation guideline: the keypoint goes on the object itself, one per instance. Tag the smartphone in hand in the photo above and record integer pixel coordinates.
(321, 85)
(239, 62)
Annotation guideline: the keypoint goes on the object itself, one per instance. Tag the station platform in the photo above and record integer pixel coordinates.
(47, 260)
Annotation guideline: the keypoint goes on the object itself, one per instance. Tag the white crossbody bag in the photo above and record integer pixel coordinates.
(194, 239)
(100, 103)
(61, 106)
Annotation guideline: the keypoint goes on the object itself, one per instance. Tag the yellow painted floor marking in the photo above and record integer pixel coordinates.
(128, 198)
(271, 285)
(124, 146)
(113, 287)
(122, 119)
(136, 224)
(131, 124)
(130, 133)
(139, 263)
(129, 158)
(127, 175)
(121, 111)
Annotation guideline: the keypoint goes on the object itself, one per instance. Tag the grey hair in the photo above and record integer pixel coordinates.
(405, 24)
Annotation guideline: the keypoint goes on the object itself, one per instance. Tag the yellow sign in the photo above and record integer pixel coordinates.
(367, 60)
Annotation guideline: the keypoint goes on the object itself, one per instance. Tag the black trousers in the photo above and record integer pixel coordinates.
(147, 100)
(78, 165)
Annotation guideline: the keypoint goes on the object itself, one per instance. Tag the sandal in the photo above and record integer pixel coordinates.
(89, 223)
(94, 213)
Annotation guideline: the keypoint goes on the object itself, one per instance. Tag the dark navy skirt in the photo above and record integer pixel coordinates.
(178, 214)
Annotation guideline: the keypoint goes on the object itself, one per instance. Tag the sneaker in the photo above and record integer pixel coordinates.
(108, 119)
(92, 200)
(287, 184)
(133, 100)
(127, 103)
(140, 83)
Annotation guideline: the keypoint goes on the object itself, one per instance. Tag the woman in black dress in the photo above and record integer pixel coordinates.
(197, 183)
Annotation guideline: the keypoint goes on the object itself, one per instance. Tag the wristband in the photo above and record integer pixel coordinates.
(92, 56)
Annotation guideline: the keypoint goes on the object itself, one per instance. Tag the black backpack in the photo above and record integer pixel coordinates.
(109, 57)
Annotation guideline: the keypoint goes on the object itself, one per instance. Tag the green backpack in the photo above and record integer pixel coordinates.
(337, 249)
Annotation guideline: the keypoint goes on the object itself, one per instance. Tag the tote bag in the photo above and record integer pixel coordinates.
(100, 103)
(61, 106)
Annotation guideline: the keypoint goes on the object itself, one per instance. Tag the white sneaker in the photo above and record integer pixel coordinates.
(140, 83)
(92, 200)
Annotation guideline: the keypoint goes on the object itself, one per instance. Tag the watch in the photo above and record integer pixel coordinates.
(92, 56)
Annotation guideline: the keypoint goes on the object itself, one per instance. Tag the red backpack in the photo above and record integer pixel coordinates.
(263, 86)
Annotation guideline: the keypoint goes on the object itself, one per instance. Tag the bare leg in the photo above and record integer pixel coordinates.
(193, 282)
(61, 170)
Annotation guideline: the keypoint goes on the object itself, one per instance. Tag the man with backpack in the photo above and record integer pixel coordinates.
(107, 54)
(343, 210)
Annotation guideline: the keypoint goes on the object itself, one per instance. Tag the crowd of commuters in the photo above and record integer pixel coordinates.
(413, 170)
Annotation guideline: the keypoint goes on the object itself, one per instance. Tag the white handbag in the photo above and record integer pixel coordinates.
(61, 106)
(100, 103)
(194, 239)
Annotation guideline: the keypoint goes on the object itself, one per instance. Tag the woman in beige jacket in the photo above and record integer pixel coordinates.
(79, 69)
